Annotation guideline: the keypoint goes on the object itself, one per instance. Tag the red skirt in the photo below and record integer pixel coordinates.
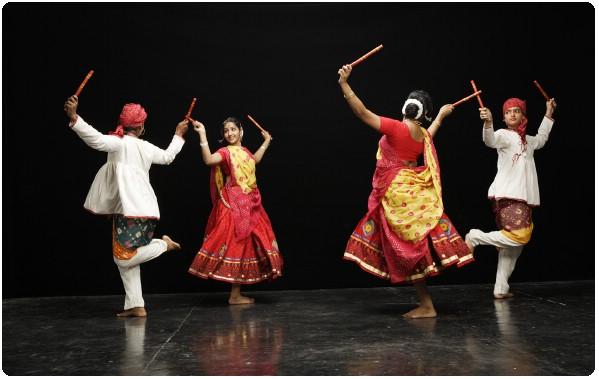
(223, 257)
(378, 251)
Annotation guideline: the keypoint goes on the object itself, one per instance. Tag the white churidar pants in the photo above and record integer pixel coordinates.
(509, 251)
(130, 271)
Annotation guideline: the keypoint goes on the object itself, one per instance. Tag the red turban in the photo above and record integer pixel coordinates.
(132, 116)
(515, 102)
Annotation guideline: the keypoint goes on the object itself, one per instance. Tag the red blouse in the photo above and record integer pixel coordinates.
(398, 136)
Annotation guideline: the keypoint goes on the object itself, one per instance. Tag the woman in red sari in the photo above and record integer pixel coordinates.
(405, 207)
(239, 244)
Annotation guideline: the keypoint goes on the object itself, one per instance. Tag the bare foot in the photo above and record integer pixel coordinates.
(240, 300)
(133, 312)
(503, 295)
(170, 244)
(421, 312)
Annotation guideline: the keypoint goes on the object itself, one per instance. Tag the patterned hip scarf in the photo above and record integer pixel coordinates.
(130, 233)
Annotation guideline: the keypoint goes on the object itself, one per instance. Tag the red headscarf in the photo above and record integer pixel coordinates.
(132, 116)
(515, 102)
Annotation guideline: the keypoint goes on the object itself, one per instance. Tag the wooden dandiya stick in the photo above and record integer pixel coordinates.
(480, 101)
(84, 82)
(366, 56)
(541, 89)
(193, 104)
(255, 123)
(467, 98)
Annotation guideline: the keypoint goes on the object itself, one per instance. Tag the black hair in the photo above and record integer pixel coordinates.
(411, 110)
(227, 120)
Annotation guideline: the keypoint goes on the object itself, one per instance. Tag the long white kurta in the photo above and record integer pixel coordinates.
(516, 178)
(122, 185)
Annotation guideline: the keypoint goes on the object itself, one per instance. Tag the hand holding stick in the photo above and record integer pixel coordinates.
(84, 82)
(366, 56)
(541, 89)
(480, 101)
(466, 98)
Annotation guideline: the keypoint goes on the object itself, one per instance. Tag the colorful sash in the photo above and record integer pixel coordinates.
(130, 233)
(514, 218)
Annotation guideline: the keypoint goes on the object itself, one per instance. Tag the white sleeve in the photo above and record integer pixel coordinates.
(94, 138)
(542, 136)
(494, 139)
(167, 156)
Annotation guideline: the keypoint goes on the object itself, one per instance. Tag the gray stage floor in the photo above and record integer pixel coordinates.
(547, 329)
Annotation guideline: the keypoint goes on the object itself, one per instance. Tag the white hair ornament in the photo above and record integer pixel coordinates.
(415, 102)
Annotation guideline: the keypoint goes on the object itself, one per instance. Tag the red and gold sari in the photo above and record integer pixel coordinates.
(239, 244)
(405, 210)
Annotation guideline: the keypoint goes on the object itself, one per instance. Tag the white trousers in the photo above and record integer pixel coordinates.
(130, 271)
(509, 251)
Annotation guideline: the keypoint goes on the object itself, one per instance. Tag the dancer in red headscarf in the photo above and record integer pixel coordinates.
(122, 189)
(515, 189)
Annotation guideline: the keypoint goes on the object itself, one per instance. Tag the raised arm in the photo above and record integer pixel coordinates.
(443, 112)
(86, 132)
(168, 155)
(356, 105)
(262, 149)
(490, 138)
(539, 140)
(208, 158)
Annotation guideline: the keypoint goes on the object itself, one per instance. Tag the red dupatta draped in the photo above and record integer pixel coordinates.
(242, 194)
(401, 254)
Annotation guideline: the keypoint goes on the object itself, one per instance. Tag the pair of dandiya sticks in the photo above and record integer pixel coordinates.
(187, 115)
(193, 103)
(476, 93)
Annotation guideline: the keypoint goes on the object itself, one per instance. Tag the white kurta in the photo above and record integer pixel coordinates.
(122, 185)
(516, 178)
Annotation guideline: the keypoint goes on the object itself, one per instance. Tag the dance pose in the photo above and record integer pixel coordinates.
(515, 189)
(239, 244)
(405, 207)
(122, 189)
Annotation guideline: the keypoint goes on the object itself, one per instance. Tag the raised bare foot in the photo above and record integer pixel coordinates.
(503, 295)
(133, 312)
(421, 312)
(170, 244)
(240, 300)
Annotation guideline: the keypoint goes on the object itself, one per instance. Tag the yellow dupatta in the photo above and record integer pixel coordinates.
(412, 203)
(241, 166)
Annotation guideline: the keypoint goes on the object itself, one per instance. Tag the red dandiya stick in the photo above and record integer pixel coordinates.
(84, 82)
(480, 101)
(193, 104)
(366, 56)
(255, 123)
(541, 89)
(467, 98)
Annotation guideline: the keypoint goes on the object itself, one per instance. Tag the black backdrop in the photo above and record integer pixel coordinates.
(279, 62)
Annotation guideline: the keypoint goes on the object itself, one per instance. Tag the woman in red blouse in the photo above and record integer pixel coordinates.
(405, 207)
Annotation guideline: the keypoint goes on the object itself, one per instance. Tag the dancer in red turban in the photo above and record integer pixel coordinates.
(122, 189)
(515, 189)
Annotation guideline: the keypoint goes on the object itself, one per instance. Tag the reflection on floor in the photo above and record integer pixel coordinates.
(546, 329)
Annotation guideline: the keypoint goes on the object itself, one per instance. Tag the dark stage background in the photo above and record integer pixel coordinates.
(279, 62)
